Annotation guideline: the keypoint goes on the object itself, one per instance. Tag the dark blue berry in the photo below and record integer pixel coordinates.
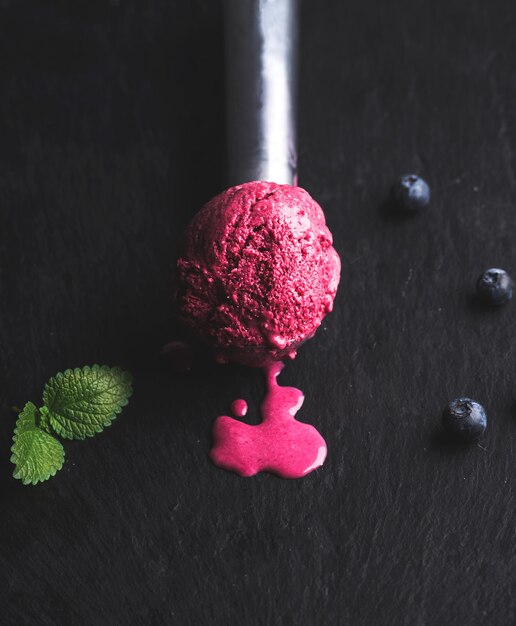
(495, 287)
(464, 419)
(410, 193)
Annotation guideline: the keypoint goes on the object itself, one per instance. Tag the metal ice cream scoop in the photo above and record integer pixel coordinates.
(261, 71)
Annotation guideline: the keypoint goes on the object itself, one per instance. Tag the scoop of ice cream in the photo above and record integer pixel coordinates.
(258, 273)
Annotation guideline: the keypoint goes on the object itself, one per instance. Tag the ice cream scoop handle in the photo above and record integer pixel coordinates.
(261, 68)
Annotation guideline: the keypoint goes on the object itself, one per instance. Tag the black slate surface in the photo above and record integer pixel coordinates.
(111, 136)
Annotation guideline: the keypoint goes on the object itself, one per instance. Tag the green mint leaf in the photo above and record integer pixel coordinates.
(27, 419)
(82, 402)
(36, 455)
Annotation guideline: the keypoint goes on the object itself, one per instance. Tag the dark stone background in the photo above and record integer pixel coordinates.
(111, 136)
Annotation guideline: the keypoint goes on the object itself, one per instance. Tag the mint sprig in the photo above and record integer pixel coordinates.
(76, 404)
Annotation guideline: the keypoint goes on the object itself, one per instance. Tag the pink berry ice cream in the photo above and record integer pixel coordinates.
(258, 273)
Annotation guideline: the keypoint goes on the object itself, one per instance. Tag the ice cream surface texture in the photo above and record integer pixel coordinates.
(258, 273)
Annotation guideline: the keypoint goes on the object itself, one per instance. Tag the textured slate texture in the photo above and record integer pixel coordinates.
(111, 136)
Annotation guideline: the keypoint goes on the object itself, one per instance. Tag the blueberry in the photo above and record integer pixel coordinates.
(464, 419)
(410, 193)
(495, 287)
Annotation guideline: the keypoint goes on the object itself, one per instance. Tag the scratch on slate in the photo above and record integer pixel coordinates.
(507, 152)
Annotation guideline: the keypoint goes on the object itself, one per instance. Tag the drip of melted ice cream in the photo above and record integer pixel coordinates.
(279, 444)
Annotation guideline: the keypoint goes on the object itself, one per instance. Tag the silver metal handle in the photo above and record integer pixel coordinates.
(261, 75)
